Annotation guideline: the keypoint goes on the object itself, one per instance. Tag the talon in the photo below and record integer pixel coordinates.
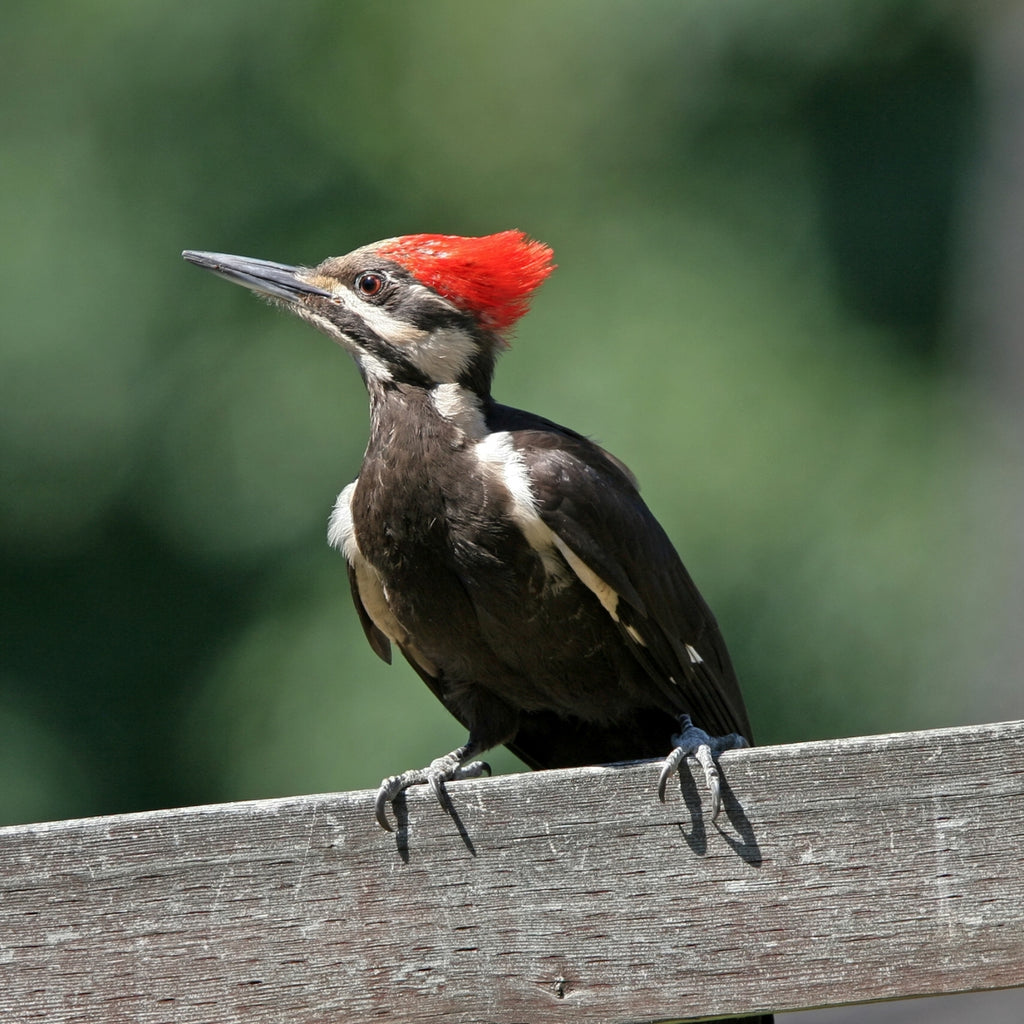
(707, 761)
(436, 780)
(380, 811)
(386, 793)
(668, 769)
(440, 771)
(696, 743)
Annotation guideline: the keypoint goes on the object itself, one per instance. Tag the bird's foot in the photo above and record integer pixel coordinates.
(693, 742)
(441, 770)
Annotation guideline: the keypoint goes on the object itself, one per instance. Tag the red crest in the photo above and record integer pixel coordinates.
(492, 277)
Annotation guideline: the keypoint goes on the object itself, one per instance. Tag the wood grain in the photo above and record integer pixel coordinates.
(840, 871)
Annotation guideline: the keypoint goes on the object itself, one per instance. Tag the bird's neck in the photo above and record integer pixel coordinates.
(414, 416)
(419, 465)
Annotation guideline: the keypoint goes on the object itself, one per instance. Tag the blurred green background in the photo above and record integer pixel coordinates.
(785, 298)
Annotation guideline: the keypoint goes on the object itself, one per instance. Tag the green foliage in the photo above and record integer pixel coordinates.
(175, 628)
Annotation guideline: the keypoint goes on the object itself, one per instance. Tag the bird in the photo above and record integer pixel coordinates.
(511, 560)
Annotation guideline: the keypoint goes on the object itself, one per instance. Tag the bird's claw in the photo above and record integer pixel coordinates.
(693, 742)
(448, 768)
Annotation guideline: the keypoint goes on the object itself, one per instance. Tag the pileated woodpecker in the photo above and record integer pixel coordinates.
(510, 559)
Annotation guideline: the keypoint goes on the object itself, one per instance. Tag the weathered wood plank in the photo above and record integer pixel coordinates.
(840, 871)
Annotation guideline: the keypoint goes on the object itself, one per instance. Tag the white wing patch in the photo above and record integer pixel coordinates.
(602, 591)
(498, 454)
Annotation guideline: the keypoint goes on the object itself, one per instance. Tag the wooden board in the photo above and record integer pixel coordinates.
(839, 871)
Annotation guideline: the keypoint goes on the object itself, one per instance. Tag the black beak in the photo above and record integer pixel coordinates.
(277, 280)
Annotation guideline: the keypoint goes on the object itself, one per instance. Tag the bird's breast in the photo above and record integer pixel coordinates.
(466, 512)
(448, 526)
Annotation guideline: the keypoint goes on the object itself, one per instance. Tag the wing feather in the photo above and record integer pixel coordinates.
(592, 505)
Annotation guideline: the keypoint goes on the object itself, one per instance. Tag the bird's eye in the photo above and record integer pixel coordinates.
(370, 284)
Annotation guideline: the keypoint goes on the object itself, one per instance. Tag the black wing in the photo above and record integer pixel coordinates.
(591, 503)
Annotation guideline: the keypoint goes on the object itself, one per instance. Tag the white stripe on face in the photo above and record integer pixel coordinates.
(442, 356)
(371, 366)
(383, 324)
